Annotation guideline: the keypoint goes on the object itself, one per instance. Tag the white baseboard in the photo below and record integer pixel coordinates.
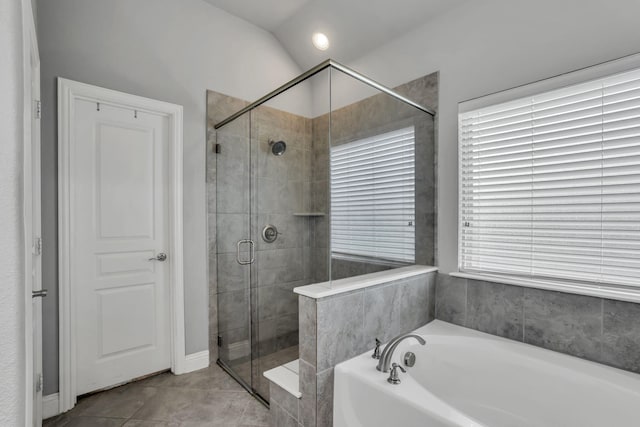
(50, 406)
(196, 361)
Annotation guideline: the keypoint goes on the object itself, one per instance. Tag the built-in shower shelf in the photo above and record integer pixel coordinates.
(309, 214)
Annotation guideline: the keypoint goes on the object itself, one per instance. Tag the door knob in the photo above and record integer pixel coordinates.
(160, 257)
(39, 294)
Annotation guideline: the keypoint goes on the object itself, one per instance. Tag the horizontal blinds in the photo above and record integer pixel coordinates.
(550, 185)
(373, 197)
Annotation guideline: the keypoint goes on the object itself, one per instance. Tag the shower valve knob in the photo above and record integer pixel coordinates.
(270, 233)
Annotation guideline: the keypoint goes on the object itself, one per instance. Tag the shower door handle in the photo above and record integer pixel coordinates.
(252, 252)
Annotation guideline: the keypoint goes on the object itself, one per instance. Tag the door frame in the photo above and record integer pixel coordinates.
(31, 195)
(68, 92)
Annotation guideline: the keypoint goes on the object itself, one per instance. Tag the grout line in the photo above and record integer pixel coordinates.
(601, 329)
(524, 312)
(435, 295)
(466, 300)
(364, 313)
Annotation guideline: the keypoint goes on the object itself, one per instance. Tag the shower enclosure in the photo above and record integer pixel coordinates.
(327, 177)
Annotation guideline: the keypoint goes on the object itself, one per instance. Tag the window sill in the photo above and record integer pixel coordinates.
(620, 293)
(331, 288)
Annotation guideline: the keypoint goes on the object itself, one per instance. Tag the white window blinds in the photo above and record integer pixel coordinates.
(373, 197)
(550, 184)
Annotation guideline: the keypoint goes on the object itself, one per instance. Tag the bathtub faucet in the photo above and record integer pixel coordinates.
(385, 359)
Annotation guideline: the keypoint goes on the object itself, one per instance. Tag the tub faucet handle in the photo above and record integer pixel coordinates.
(394, 378)
(385, 358)
(376, 351)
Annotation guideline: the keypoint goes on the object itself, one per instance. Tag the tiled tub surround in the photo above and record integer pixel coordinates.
(596, 329)
(338, 327)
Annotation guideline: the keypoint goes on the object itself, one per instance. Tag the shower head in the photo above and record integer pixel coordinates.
(278, 147)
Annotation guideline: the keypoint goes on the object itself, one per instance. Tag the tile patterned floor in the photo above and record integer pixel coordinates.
(209, 397)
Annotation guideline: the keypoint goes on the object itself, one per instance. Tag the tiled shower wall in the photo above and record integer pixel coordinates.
(220, 106)
(597, 329)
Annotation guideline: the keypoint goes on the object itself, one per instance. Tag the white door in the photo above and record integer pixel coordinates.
(35, 264)
(33, 231)
(119, 211)
(32, 221)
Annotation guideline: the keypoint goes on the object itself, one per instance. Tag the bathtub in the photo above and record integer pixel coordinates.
(467, 378)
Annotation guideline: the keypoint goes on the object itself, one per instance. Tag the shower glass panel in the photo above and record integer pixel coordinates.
(281, 153)
(265, 240)
(381, 209)
(328, 179)
(234, 250)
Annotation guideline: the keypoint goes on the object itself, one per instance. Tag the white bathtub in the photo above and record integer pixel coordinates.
(468, 378)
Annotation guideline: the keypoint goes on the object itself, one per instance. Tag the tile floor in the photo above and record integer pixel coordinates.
(209, 397)
(262, 364)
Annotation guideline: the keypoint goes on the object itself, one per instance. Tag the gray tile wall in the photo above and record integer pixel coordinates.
(339, 327)
(284, 407)
(595, 329)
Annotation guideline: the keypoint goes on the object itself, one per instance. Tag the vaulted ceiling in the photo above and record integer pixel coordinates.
(354, 27)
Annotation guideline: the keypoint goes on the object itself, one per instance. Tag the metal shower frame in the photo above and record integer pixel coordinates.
(329, 63)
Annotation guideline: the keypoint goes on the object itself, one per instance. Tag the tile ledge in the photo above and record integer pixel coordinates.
(325, 289)
(285, 378)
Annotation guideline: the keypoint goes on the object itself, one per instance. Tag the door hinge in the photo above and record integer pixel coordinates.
(37, 246)
(38, 108)
(39, 383)
(218, 148)
(219, 341)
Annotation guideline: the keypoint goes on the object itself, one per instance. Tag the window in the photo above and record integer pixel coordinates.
(550, 184)
(373, 197)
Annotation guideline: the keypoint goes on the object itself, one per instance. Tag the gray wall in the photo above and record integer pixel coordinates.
(12, 332)
(163, 49)
(596, 329)
(486, 46)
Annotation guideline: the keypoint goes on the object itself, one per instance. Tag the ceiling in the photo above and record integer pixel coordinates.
(354, 27)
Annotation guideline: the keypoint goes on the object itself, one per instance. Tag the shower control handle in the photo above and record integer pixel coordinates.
(252, 251)
(270, 233)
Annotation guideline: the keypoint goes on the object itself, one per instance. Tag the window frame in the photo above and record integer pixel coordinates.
(601, 290)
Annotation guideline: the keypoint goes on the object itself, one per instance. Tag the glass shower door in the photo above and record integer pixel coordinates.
(278, 152)
(265, 214)
(235, 250)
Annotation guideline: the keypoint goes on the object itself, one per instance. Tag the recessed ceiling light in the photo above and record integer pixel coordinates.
(320, 41)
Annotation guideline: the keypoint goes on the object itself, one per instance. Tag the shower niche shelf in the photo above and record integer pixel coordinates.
(309, 214)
